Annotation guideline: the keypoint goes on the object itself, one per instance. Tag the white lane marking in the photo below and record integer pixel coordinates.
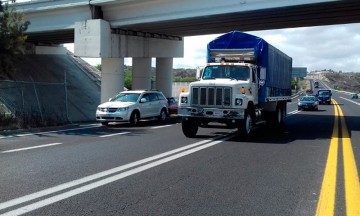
(33, 147)
(161, 126)
(67, 185)
(85, 188)
(351, 101)
(293, 112)
(115, 134)
(31, 134)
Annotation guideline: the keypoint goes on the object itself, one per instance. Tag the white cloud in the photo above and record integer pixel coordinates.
(324, 47)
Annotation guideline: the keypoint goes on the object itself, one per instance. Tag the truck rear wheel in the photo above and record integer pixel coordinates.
(277, 119)
(245, 126)
(189, 127)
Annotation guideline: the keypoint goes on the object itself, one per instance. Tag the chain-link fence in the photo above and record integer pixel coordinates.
(34, 103)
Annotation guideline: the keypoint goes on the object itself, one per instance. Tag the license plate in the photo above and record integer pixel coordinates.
(218, 113)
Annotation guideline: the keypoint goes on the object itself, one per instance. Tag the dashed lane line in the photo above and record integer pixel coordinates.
(33, 147)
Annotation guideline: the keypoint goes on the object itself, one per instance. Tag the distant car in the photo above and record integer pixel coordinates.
(172, 105)
(309, 92)
(308, 102)
(131, 106)
(354, 96)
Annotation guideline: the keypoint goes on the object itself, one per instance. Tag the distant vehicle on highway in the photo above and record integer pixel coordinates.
(308, 102)
(354, 96)
(324, 96)
(131, 106)
(316, 84)
(309, 92)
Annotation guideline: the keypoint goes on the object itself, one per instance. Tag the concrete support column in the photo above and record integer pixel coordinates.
(141, 74)
(112, 77)
(164, 75)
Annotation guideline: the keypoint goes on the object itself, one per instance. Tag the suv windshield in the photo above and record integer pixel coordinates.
(227, 71)
(126, 97)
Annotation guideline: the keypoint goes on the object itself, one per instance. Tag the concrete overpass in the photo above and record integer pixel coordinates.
(145, 29)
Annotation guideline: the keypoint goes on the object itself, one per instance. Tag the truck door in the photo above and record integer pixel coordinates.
(254, 85)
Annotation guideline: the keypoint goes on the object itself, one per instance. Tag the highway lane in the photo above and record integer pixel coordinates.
(274, 173)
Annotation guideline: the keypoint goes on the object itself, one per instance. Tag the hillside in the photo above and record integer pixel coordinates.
(349, 82)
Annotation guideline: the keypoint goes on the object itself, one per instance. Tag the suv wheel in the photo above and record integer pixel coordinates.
(162, 116)
(134, 119)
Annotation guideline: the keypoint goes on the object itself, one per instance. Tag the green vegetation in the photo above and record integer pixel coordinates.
(98, 66)
(127, 78)
(12, 38)
(185, 79)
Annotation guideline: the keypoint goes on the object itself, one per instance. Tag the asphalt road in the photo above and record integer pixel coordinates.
(310, 168)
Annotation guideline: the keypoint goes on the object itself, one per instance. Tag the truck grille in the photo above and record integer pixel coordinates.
(211, 96)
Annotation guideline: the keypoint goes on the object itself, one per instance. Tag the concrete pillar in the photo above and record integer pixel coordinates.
(112, 77)
(164, 75)
(141, 74)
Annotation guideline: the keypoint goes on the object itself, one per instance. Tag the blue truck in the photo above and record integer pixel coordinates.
(324, 96)
(246, 83)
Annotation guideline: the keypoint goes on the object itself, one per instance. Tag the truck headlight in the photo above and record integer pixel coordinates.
(184, 100)
(238, 101)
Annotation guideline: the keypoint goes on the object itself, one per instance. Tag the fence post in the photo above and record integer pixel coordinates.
(37, 98)
(66, 98)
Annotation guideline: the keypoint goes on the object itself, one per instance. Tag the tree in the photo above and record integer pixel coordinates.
(98, 66)
(128, 79)
(12, 38)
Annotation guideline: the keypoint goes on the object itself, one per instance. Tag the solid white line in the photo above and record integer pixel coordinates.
(31, 134)
(351, 101)
(115, 134)
(161, 126)
(67, 185)
(108, 180)
(34, 147)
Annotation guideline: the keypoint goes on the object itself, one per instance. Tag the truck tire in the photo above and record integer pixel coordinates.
(277, 119)
(280, 115)
(245, 126)
(189, 127)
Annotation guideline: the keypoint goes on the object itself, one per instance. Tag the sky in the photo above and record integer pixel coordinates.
(335, 47)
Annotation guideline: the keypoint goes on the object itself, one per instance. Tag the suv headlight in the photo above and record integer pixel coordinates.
(122, 109)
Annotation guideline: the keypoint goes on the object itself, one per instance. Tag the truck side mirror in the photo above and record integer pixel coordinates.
(198, 73)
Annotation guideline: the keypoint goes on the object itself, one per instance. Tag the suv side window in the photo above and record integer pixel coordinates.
(161, 96)
(146, 96)
(153, 97)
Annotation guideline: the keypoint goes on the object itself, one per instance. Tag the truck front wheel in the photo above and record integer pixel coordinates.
(189, 127)
(245, 126)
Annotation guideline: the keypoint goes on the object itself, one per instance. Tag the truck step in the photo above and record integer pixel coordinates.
(259, 123)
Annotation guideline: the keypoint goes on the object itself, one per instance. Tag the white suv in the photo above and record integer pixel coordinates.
(132, 106)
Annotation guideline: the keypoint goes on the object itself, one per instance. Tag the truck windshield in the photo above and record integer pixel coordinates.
(227, 72)
(324, 93)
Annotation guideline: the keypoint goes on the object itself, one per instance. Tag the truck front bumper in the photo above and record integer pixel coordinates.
(214, 113)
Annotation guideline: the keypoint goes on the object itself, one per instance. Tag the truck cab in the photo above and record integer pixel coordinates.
(324, 96)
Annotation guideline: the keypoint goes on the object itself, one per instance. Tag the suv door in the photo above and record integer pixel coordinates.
(155, 104)
(145, 107)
